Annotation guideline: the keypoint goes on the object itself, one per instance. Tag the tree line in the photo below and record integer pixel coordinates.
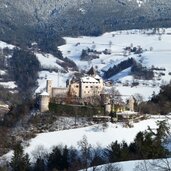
(159, 103)
(118, 68)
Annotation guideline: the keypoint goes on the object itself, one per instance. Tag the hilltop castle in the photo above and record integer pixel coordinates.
(79, 87)
(82, 90)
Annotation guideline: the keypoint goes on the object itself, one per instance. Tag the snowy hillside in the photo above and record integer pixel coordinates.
(51, 70)
(97, 135)
(116, 42)
(156, 53)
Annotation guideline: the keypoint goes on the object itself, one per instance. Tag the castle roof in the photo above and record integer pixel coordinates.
(89, 79)
(92, 71)
(44, 93)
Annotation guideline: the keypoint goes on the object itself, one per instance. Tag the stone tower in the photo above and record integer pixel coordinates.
(108, 108)
(49, 87)
(131, 103)
(105, 100)
(44, 102)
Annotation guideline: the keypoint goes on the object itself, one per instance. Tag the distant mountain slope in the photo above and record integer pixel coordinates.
(29, 18)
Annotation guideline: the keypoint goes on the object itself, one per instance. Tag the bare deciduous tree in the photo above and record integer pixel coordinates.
(154, 165)
(39, 152)
(85, 148)
(112, 167)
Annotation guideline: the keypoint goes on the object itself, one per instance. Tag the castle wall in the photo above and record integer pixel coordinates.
(59, 92)
(75, 89)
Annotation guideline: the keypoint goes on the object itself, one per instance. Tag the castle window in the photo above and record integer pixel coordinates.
(97, 87)
(86, 86)
(76, 86)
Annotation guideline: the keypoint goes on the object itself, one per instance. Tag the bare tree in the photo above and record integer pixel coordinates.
(112, 167)
(154, 165)
(39, 152)
(142, 166)
(85, 148)
(161, 164)
(115, 95)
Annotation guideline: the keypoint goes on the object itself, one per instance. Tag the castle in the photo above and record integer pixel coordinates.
(81, 87)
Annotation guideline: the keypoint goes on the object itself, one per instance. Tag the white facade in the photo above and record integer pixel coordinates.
(44, 102)
(90, 86)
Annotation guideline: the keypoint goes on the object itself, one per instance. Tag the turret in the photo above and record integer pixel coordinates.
(131, 103)
(49, 87)
(44, 102)
(108, 108)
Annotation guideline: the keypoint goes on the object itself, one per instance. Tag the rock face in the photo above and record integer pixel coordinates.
(73, 17)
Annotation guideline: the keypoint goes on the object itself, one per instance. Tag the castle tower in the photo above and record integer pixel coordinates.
(108, 108)
(131, 103)
(44, 102)
(49, 87)
(105, 100)
(92, 72)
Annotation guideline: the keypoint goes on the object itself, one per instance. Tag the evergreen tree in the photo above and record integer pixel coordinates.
(58, 159)
(114, 152)
(39, 165)
(20, 161)
(65, 162)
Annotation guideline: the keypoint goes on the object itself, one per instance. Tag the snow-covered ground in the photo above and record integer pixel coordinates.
(116, 41)
(48, 61)
(9, 84)
(96, 135)
(156, 52)
(6, 45)
(137, 165)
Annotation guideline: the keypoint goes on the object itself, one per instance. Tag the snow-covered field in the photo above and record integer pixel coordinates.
(96, 135)
(137, 165)
(116, 41)
(156, 52)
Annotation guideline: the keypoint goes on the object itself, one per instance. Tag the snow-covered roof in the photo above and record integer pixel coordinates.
(127, 113)
(89, 79)
(97, 77)
(44, 93)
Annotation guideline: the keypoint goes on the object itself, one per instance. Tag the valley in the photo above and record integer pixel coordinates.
(118, 52)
